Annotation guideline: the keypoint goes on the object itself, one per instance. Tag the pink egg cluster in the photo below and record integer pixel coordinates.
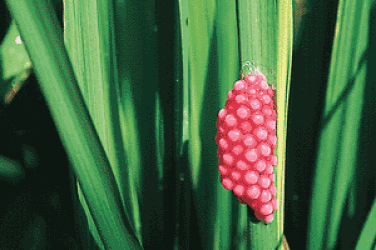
(247, 138)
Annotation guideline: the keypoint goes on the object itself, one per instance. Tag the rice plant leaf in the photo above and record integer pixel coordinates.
(201, 173)
(44, 42)
(183, 233)
(284, 59)
(258, 42)
(184, 38)
(336, 163)
(257, 34)
(367, 237)
(232, 216)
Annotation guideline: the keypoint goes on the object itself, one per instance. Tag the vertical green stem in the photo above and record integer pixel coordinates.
(284, 56)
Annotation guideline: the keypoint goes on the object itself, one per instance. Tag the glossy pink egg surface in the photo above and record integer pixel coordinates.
(246, 142)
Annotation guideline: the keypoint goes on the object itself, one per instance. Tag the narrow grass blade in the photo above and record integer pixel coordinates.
(44, 42)
(201, 173)
(182, 79)
(257, 35)
(232, 216)
(184, 33)
(367, 238)
(284, 59)
(258, 42)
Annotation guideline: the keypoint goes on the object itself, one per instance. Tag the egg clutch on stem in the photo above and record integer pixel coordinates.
(246, 142)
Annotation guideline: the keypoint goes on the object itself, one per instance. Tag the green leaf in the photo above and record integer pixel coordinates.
(337, 166)
(44, 41)
(258, 41)
(368, 235)
(257, 34)
(284, 60)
